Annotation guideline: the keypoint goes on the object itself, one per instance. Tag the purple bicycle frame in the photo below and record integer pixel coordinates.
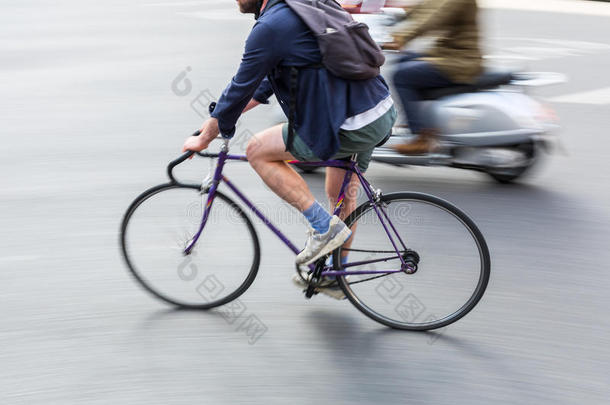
(350, 167)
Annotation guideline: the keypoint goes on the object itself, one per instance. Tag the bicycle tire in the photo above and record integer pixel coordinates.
(473, 230)
(145, 196)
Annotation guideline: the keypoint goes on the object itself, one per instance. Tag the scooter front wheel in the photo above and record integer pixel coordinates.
(510, 174)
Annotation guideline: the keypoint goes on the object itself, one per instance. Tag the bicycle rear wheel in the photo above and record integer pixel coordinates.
(159, 225)
(453, 262)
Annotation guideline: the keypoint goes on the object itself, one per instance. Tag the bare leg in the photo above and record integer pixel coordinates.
(267, 155)
(334, 181)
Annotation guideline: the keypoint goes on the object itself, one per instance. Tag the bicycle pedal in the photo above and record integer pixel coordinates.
(310, 292)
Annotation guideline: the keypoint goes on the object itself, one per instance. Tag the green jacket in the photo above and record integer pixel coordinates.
(457, 52)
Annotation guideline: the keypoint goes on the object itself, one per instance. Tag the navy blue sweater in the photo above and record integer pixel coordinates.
(279, 39)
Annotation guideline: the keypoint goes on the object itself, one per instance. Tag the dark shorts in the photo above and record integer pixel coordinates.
(361, 141)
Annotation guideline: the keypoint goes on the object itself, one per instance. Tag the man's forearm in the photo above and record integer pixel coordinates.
(251, 104)
(209, 129)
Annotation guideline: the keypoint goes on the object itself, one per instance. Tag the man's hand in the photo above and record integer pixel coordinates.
(391, 46)
(209, 131)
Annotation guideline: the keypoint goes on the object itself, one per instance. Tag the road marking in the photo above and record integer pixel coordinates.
(542, 48)
(553, 6)
(596, 97)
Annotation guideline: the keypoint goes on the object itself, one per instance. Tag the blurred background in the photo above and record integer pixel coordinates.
(97, 97)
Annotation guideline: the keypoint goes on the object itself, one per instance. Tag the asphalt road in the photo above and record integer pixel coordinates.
(93, 106)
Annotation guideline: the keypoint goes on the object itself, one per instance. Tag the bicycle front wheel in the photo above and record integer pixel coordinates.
(452, 260)
(160, 224)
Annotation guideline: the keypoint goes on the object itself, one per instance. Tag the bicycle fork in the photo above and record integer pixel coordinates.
(213, 186)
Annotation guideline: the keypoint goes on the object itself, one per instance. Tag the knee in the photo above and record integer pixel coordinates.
(253, 151)
(411, 74)
(401, 75)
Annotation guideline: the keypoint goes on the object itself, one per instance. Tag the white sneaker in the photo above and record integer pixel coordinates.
(329, 286)
(319, 244)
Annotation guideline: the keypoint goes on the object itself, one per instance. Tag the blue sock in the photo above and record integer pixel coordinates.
(329, 262)
(318, 217)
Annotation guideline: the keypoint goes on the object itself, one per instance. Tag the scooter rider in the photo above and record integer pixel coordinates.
(455, 59)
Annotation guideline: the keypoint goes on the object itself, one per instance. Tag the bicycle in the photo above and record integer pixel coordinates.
(163, 228)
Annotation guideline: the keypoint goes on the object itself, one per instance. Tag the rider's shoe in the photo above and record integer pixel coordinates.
(319, 244)
(328, 286)
(425, 142)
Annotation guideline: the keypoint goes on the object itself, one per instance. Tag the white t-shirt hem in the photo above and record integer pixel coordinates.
(363, 119)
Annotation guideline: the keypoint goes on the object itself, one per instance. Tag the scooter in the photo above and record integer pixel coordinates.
(491, 126)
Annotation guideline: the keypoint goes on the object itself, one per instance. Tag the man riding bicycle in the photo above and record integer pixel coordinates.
(335, 118)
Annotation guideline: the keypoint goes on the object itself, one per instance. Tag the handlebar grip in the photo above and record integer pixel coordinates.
(176, 162)
(181, 159)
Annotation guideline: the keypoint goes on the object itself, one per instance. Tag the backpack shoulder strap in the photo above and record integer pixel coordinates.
(292, 105)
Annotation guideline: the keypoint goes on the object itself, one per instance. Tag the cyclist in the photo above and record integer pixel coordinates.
(335, 118)
(456, 59)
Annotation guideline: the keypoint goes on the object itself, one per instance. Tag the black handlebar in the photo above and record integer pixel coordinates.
(176, 162)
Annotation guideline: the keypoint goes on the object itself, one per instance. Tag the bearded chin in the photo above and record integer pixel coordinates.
(250, 6)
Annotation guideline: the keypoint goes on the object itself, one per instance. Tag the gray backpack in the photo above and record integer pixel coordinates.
(348, 51)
